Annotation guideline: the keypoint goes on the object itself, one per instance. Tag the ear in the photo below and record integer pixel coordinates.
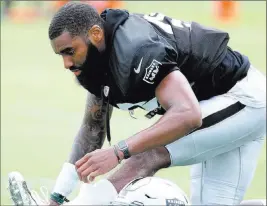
(96, 34)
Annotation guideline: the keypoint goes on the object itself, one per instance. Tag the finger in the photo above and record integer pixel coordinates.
(79, 175)
(85, 166)
(87, 172)
(82, 160)
(91, 179)
(79, 171)
(93, 175)
(85, 179)
(80, 178)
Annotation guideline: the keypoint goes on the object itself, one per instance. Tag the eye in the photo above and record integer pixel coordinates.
(68, 51)
(72, 52)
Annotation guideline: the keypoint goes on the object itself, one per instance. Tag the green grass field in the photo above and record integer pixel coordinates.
(42, 106)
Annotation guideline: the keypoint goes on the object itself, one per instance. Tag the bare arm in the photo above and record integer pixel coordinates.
(182, 115)
(92, 132)
(90, 137)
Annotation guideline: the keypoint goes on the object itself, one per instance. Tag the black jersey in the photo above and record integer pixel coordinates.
(143, 49)
(202, 54)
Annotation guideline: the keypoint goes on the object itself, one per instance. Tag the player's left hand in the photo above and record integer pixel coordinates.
(96, 163)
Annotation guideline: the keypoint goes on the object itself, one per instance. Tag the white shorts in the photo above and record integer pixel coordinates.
(225, 149)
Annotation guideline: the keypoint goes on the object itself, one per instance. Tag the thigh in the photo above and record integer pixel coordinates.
(224, 179)
(227, 125)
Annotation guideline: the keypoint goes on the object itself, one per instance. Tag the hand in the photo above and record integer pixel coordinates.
(96, 163)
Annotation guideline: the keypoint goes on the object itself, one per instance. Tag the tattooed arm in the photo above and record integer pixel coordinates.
(92, 133)
(90, 137)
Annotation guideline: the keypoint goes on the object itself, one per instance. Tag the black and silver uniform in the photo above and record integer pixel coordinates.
(143, 49)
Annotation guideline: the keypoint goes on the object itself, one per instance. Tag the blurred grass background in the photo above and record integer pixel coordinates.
(42, 106)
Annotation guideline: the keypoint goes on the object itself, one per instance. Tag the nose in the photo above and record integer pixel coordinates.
(68, 62)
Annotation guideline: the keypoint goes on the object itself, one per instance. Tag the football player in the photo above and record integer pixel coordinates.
(211, 98)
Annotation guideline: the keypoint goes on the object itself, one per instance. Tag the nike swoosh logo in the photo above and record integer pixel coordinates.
(139, 67)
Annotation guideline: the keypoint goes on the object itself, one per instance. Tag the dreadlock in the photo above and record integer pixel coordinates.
(74, 17)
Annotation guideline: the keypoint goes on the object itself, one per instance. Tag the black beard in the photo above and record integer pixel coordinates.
(92, 70)
(91, 50)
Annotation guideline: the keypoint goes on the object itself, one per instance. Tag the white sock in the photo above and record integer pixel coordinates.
(100, 193)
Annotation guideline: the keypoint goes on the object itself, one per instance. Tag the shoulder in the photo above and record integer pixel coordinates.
(151, 64)
(140, 55)
(137, 39)
(130, 37)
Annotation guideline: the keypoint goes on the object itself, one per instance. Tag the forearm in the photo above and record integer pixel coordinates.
(92, 133)
(172, 126)
(89, 138)
(183, 115)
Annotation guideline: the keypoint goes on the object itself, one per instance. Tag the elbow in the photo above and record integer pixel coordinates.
(195, 119)
(190, 116)
(198, 121)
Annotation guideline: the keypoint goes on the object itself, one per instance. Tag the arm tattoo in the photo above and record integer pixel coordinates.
(92, 132)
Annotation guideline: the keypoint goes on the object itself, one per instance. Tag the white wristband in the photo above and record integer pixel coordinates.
(67, 180)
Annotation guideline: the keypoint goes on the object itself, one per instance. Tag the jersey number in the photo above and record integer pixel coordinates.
(158, 19)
